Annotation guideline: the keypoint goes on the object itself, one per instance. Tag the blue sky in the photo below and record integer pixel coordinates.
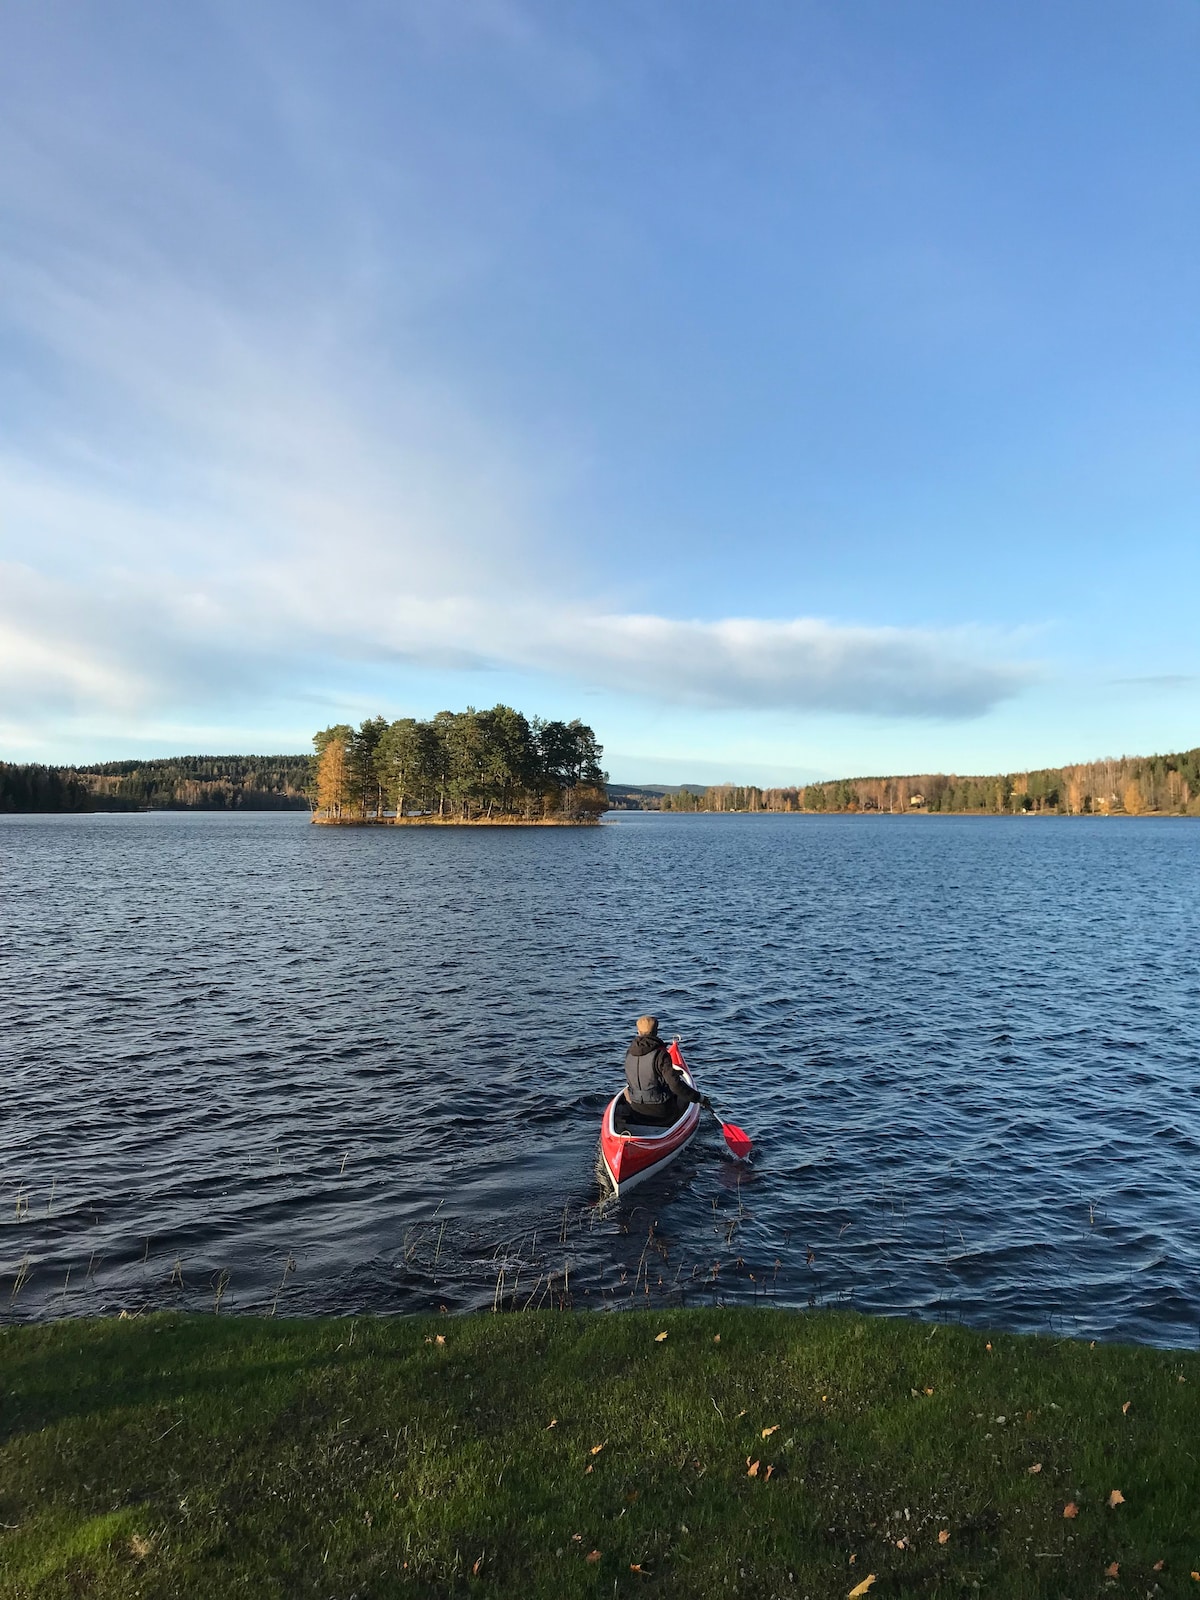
(789, 390)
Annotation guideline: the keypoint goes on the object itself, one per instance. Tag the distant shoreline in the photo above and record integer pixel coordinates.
(1011, 816)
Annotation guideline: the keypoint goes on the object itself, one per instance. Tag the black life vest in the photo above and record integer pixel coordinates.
(642, 1075)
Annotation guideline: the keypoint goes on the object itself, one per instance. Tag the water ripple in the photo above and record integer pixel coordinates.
(251, 1062)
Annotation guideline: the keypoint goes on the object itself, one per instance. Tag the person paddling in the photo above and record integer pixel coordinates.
(654, 1086)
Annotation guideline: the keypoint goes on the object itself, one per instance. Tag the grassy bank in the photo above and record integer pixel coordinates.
(750, 1453)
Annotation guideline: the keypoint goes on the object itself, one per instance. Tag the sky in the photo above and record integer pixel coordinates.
(789, 390)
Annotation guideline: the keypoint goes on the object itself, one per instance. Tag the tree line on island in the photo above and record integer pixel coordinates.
(461, 766)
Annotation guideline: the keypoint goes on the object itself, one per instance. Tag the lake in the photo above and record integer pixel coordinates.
(253, 1064)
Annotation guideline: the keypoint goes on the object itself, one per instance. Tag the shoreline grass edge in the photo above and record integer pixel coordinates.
(747, 1452)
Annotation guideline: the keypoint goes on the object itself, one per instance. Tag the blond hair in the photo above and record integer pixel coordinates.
(647, 1024)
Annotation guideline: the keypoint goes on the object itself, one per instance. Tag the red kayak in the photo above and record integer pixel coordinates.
(633, 1150)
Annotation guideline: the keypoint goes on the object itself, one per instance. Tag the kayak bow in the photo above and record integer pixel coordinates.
(632, 1151)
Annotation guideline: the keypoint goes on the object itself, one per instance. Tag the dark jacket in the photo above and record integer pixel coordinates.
(652, 1078)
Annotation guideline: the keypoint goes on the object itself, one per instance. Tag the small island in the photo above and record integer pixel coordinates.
(480, 768)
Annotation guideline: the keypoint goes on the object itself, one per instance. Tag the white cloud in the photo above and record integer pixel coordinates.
(151, 642)
(222, 490)
(802, 664)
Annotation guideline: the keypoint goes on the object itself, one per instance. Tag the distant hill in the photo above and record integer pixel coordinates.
(176, 783)
(1161, 785)
(647, 797)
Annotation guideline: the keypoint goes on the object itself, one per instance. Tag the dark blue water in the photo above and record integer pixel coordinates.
(253, 1063)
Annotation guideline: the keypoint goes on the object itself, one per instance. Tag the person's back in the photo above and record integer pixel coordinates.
(653, 1084)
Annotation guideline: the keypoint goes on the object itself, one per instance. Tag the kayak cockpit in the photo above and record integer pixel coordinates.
(642, 1124)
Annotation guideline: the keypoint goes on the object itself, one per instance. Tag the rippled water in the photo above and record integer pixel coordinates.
(253, 1062)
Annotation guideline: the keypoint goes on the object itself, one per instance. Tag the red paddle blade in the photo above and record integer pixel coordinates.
(737, 1140)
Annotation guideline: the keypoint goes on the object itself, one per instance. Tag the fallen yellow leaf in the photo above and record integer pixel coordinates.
(740, 1414)
(1116, 1498)
(767, 1432)
(1158, 1566)
(440, 1338)
(1070, 1509)
(553, 1423)
(1036, 1467)
(716, 1338)
(596, 1448)
(861, 1588)
(929, 1391)
(635, 1566)
(593, 1557)
(767, 1474)
(751, 1468)
(1196, 1577)
(944, 1536)
(988, 1346)
(1113, 1570)
(475, 1567)
(139, 1547)
(659, 1337)
(1125, 1408)
(901, 1544)
(588, 1468)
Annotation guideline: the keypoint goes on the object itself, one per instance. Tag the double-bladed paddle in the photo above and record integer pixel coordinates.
(736, 1138)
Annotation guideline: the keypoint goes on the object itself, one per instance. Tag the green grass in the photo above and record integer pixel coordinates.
(230, 1457)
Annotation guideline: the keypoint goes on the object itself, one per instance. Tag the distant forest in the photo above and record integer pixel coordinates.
(1166, 785)
(178, 783)
(497, 763)
(468, 766)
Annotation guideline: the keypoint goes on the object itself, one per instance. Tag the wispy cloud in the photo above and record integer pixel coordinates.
(1159, 680)
(223, 488)
(137, 643)
(262, 523)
